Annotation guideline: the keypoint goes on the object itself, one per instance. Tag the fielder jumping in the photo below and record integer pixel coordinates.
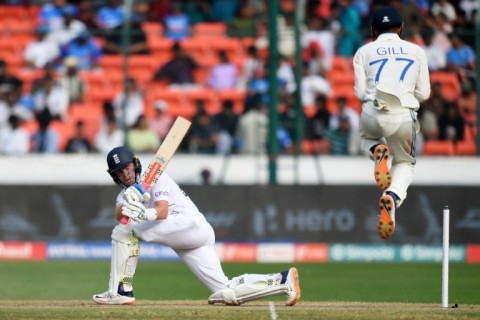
(392, 79)
(165, 215)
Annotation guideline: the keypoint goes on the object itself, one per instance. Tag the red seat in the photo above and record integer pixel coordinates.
(439, 148)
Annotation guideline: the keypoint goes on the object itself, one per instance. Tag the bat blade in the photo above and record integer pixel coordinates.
(164, 154)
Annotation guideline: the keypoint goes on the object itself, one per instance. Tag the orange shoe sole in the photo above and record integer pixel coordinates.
(382, 172)
(297, 287)
(386, 225)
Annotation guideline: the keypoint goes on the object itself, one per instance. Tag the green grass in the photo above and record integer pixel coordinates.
(62, 290)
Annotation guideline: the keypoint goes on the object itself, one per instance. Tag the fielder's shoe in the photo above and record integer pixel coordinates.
(122, 297)
(382, 172)
(386, 223)
(293, 285)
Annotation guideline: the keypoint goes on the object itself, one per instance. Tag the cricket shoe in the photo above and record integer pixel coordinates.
(122, 297)
(386, 222)
(293, 285)
(382, 172)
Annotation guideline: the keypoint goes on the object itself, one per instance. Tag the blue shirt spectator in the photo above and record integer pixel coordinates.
(84, 49)
(461, 54)
(51, 14)
(110, 16)
(177, 23)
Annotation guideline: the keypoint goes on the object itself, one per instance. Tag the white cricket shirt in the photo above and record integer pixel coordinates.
(394, 66)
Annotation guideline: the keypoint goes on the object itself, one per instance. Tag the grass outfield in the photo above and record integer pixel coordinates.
(62, 290)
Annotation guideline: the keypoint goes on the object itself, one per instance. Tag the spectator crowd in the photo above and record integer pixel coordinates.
(63, 89)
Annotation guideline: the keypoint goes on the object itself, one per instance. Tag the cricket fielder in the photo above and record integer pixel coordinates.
(392, 79)
(165, 215)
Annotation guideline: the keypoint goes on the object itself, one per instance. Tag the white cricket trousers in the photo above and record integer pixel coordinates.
(193, 239)
(397, 128)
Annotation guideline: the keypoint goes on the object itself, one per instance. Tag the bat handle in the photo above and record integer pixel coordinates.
(140, 188)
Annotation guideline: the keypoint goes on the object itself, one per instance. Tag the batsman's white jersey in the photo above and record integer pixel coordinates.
(185, 230)
(392, 79)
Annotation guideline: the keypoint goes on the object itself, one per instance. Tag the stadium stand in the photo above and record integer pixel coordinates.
(18, 22)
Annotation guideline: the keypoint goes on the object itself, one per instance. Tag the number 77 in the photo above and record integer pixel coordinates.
(384, 61)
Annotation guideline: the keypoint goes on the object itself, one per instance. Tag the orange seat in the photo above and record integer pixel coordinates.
(465, 148)
(30, 126)
(176, 102)
(18, 12)
(209, 29)
(198, 48)
(341, 64)
(142, 76)
(208, 97)
(160, 48)
(236, 96)
(111, 61)
(470, 133)
(101, 94)
(348, 92)
(439, 148)
(154, 29)
(232, 46)
(65, 130)
(450, 88)
(336, 77)
(85, 112)
(28, 76)
(91, 114)
(141, 61)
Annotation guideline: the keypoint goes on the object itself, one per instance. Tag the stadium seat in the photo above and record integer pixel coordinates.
(235, 95)
(17, 12)
(209, 29)
(111, 62)
(465, 148)
(152, 29)
(176, 101)
(90, 113)
(199, 49)
(450, 88)
(160, 48)
(439, 148)
(65, 130)
(347, 91)
(232, 46)
(28, 76)
(341, 64)
(336, 77)
(208, 97)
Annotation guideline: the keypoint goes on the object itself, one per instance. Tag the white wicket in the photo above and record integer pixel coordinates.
(446, 231)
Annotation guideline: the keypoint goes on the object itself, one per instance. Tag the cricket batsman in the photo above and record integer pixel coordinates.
(165, 215)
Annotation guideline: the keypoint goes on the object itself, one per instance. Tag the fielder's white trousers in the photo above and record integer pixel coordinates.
(397, 128)
(193, 239)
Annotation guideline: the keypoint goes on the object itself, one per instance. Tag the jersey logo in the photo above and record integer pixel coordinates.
(385, 19)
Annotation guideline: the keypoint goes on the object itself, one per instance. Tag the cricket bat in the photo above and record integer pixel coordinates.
(162, 157)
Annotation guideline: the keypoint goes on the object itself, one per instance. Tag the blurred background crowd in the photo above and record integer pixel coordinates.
(68, 86)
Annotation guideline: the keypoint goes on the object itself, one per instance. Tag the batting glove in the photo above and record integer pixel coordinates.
(135, 193)
(138, 212)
